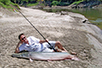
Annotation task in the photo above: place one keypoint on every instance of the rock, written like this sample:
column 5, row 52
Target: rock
column 64, row 13
column 73, row 53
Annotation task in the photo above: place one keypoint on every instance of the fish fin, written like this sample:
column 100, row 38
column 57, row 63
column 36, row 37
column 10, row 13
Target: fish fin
column 73, row 53
column 30, row 60
column 30, row 57
column 75, row 58
column 49, row 60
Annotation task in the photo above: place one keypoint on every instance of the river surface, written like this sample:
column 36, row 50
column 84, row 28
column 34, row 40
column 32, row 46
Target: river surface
column 93, row 15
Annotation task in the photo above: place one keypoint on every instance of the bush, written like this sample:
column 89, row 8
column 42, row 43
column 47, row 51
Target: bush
column 32, row 4
column 8, row 4
column 16, row 5
column 78, row 2
column 1, row 4
column 63, row 4
column 55, row 3
column 5, row 2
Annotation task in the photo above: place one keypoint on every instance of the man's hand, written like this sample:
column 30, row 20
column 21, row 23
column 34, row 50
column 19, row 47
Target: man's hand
column 17, row 47
column 42, row 41
column 46, row 40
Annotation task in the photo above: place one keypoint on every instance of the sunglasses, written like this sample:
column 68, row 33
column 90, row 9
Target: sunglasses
column 23, row 38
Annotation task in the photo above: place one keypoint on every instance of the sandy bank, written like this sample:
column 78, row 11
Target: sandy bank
column 82, row 38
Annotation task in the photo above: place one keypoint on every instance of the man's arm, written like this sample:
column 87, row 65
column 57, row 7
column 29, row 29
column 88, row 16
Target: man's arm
column 42, row 41
column 17, row 47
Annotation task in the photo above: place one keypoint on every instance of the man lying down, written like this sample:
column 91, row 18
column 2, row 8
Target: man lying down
column 32, row 44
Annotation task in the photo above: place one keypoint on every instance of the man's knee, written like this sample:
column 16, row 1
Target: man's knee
column 57, row 42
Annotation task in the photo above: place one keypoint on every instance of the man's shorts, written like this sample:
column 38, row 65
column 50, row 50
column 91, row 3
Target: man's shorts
column 49, row 46
column 51, row 42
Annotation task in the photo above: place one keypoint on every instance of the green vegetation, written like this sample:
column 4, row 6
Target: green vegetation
column 35, row 4
column 8, row 4
column 55, row 3
column 100, row 26
column 5, row 3
column 77, row 2
column 32, row 4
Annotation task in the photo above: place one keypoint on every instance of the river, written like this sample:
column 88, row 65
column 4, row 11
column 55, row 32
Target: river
column 93, row 15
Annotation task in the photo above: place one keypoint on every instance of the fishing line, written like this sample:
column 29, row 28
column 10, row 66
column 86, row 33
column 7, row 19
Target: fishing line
column 38, row 31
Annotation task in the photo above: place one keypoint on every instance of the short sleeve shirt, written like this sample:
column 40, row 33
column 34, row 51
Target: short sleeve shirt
column 33, row 45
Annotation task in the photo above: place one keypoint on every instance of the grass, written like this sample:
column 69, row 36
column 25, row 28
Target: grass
column 2, row 5
column 77, row 2
column 34, row 4
column 100, row 26
column 10, row 6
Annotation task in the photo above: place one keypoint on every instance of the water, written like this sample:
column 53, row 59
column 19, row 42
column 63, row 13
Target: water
column 93, row 15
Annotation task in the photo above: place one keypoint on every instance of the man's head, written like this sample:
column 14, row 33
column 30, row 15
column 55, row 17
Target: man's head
column 22, row 38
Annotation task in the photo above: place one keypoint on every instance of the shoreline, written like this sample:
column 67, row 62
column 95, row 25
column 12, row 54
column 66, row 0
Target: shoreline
column 65, row 10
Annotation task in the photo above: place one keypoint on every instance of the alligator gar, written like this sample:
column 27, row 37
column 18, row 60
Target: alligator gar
column 49, row 56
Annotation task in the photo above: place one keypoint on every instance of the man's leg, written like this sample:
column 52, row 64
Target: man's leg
column 59, row 45
column 55, row 44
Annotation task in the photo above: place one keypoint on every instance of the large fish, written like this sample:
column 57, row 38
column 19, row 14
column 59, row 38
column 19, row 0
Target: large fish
column 49, row 56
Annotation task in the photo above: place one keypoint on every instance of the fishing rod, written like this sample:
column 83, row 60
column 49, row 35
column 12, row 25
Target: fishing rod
column 37, row 31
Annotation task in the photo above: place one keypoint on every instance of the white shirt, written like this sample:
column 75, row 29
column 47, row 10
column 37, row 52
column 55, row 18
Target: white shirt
column 34, row 45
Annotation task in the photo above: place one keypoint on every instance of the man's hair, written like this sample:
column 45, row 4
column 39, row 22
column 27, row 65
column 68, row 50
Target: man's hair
column 20, row 35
